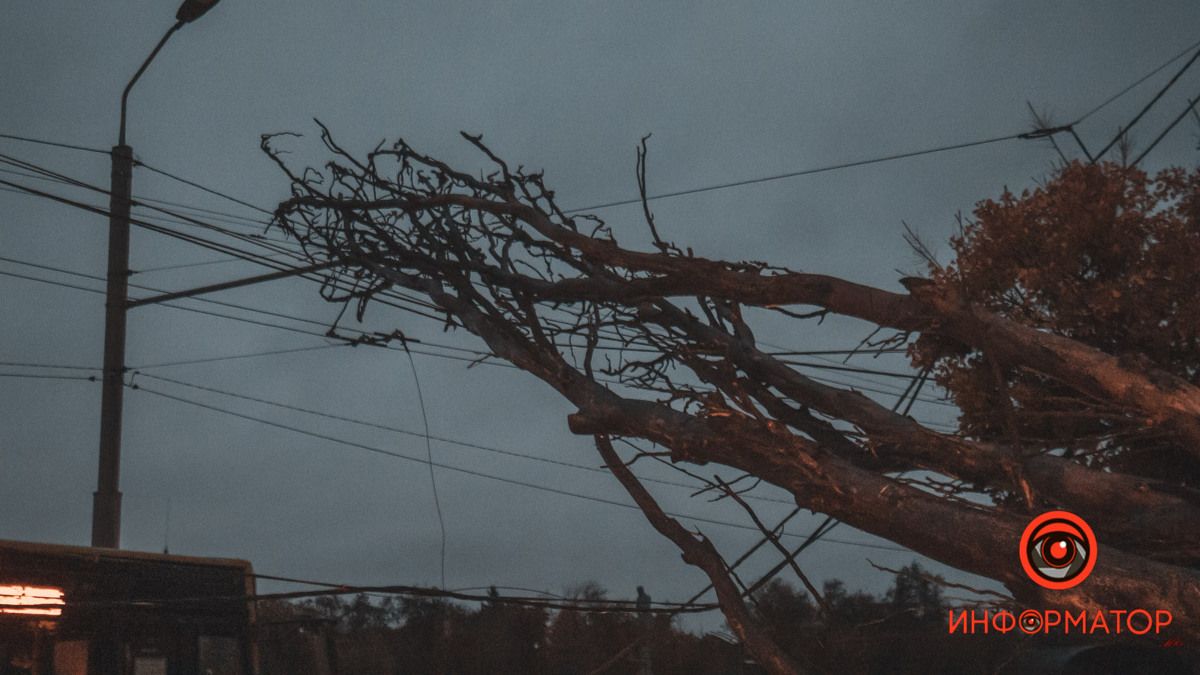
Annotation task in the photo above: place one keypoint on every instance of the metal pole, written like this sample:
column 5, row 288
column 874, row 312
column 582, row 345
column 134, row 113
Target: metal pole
column 106, row 503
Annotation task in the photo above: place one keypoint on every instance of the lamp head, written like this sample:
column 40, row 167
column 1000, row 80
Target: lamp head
column 191, row 10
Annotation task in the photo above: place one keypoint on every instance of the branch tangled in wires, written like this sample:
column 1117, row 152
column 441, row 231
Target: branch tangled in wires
column 499, row 247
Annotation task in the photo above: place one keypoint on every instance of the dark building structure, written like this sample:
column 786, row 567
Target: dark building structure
column 69, row 610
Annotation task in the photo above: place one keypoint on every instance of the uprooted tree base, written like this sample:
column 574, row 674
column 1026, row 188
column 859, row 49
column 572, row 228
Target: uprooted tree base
column 655, row 346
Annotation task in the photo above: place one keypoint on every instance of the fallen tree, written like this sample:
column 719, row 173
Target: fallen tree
column 657, row 346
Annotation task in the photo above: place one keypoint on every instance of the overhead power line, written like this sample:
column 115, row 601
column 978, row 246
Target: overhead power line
column 148, row 225
column 425, row 436
column 472, row 472
column 474, row 352
column 1135, row 83
column 273, row 352
column 258, row 258
column 545, row 594
column 204, row 188
column 51, row 366
column 475, row 357
column 390, row 301
column 1125, row 129
column 279, row 247
column 1191, row 107
column 235, row 357
column 68, row 146
column 256, row 240
column 199, row 263
column 41, row 172
column 151, row 289
column 897, row 156
column 61, row 284
column 826, row 525
column 38, row 172
column 582, row 605
column 849, row 369
column 802, row 172
column 38, row 376
column 422, row 347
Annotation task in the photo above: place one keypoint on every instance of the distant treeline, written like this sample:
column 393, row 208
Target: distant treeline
column 902, row 631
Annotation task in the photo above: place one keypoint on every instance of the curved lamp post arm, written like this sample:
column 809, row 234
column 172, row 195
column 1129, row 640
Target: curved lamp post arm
column 145, row 64
column 188, row 12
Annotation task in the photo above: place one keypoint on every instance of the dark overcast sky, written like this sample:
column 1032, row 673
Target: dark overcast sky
column 728, row 92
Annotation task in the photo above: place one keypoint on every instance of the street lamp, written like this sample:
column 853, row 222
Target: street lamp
column 106, row 503
column 191, row 10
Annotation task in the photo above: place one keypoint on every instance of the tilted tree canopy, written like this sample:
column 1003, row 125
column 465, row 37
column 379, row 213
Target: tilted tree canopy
column 658, row 346
column 1104, row 255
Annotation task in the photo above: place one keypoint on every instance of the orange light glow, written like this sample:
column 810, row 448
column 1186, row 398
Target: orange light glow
column 30, row 600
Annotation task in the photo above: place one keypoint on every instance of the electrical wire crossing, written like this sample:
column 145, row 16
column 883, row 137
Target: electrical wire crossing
column 426, row 436
column 472, row 356
column 470, row 472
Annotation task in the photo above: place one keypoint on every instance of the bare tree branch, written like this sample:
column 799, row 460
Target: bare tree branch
column 699, row 551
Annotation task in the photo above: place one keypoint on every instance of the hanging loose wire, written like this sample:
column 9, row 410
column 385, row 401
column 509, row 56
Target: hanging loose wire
column 437, row 503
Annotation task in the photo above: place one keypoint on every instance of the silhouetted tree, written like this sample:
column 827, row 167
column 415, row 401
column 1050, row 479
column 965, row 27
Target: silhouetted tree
column 915, row 596
column 501, row 638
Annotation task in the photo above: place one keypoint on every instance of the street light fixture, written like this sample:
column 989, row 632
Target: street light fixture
column 191, row 10
column 106, row 502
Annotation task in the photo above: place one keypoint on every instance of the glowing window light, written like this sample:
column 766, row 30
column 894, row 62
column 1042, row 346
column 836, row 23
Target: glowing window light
column 18, row 600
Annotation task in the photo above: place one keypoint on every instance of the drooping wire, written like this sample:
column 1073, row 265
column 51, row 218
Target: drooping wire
column 437, row 502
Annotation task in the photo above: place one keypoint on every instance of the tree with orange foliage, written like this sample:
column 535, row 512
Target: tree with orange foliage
column 1101, row 254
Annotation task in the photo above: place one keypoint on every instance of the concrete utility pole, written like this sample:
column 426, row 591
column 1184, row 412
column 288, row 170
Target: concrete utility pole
column 106, row 502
